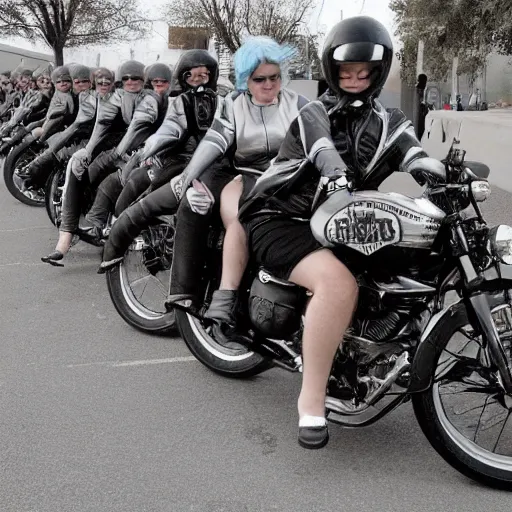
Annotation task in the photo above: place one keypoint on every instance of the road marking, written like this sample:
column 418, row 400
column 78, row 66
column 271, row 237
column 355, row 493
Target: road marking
column 20, row 263
column 143, row 362
column 30, row 228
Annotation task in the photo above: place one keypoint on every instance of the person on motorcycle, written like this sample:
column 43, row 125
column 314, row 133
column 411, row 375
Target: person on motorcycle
column 5, row 86
column 250, row 127
column 341, row 145
column 108, row 146
column 158, row 77
column 62, row 145
column 33, row 108
column 167, row 152
column 61, row 114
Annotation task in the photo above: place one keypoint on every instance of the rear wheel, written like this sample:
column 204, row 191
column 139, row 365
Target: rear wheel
column 139, row 286
column 17, row 160
column 466, row 415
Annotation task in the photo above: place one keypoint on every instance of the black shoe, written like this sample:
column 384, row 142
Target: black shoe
column 222, row 309
column 313, row 438
column 91, row 235
column 54, row 259
column 105, row 266
column 227, row 337
column 182, row 301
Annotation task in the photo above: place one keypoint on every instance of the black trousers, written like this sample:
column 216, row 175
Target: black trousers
column 191, row 229
column 74, row 195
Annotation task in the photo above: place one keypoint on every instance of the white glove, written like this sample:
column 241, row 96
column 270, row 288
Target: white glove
column 200, row 198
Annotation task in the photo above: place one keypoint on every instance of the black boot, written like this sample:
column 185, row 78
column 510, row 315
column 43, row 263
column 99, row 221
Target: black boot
column 222, row 309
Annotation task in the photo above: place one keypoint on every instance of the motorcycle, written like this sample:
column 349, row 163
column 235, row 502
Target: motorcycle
column 433, row 325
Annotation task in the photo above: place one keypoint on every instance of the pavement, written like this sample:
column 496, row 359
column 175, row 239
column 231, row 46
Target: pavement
column 97, row 417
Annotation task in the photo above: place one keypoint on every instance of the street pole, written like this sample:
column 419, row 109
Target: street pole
column 453, row 99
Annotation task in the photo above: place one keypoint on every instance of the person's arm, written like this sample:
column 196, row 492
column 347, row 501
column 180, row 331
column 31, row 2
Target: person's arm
column 85, row 116
column 218, row 139
column 173, row 130
column 61, row 105
column 407, row 154
column 144, row 117
column 108, row 110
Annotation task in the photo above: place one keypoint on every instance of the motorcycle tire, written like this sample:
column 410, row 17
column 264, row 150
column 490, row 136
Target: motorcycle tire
column 53, row 195
column 454, row 447
column 20, row 156
column 134, row 312
column 221, row 360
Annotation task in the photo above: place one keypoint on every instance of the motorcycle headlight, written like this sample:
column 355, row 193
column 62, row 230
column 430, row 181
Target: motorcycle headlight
column 501, row 243
column 481, row 190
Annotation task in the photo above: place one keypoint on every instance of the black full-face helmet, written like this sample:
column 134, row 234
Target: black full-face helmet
column 193, row 59
column 358, row 39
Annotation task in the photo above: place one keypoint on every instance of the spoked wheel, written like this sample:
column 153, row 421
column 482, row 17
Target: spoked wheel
column 466, row 415
column 15, row 163
column 139, row 286
column 53, row 195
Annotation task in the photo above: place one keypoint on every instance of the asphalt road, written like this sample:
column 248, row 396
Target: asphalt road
column 96, row 417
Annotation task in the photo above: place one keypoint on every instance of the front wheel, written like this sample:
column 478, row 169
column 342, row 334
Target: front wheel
column 139, row 286
column 17, row 160
column 465, row 414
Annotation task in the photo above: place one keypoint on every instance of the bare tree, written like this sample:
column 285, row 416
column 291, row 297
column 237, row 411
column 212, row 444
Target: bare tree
column 72, row 23
column 230, row 20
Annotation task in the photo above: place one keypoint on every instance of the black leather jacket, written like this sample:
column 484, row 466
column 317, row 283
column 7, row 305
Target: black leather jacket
column 365, row 143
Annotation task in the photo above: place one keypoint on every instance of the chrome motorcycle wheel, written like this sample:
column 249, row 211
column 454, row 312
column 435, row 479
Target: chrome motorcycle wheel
column 139, row 286
column 466, row 415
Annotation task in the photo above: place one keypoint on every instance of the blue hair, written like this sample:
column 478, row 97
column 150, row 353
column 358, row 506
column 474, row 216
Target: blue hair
column 255, row 51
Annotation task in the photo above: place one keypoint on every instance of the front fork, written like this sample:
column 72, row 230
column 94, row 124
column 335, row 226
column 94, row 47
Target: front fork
column 477, row 301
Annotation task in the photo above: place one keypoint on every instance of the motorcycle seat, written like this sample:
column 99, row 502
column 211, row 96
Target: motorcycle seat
column 478, row 168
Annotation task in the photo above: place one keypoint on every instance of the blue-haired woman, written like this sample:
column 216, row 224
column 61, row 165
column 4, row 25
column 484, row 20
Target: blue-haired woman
column 249, row 128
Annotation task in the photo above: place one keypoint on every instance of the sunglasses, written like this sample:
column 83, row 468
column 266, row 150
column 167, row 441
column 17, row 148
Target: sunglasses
column 159, row 81
column 262, row 79
column 103, row 82
column 132, row 78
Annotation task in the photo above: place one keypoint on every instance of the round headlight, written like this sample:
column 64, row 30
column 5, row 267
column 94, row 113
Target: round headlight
column 501, row 243
column 481, row 190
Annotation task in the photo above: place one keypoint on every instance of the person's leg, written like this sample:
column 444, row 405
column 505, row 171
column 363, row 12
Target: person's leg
column 133, row 220
column 71, row 207
column 328, row 315
column 235, row 256
column 136, row 185
column 190, row 243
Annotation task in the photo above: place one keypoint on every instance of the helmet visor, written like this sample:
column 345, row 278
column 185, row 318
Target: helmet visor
column 359, row 52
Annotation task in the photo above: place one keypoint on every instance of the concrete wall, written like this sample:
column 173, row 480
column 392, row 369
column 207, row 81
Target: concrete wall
column 11, row 57
column 486, row 137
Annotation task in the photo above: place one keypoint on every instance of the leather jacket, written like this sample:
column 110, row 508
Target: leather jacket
column 365, row 143
column 249, row 133
column 82, row 125
column 115, row 113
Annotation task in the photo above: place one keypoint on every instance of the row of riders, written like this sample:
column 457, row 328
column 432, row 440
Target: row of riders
column 152, row 141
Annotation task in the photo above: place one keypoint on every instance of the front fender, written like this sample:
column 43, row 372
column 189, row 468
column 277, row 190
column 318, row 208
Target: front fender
column 434, row 339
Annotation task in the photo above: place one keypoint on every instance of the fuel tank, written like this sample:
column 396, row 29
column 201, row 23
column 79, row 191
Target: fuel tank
column 369, row 220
